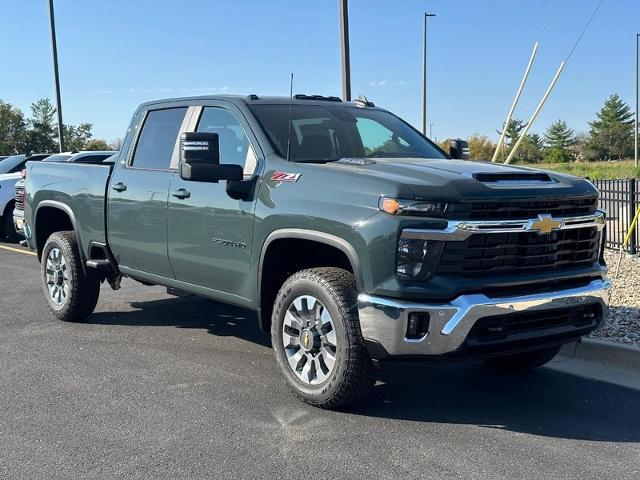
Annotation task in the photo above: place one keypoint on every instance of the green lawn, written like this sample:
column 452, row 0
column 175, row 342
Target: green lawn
column 623, row 169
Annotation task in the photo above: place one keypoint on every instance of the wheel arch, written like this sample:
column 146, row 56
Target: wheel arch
column 61, row 220
column 336, row 249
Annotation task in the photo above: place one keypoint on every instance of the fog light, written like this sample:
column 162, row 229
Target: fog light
column 417, row 325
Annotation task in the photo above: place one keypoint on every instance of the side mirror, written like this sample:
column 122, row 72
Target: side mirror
column 200, row 159
column 459, row 149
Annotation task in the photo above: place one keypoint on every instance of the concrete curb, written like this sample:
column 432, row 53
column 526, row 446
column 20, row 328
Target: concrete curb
column 604, row 352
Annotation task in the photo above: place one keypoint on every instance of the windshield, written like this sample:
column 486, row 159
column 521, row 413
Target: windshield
column 61, row 157
column 331, row 132
column 11, row 164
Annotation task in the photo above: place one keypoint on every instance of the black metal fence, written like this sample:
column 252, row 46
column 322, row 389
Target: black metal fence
column 620, row 198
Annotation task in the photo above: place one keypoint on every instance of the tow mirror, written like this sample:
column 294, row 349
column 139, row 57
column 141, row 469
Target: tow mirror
column 459, row 149
column 200, row 159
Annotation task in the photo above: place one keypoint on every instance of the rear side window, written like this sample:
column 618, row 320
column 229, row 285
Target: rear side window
column 158, row 138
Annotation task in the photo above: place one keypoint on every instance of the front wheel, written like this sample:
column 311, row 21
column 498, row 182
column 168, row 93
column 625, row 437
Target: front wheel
column 317, row 341
column 524, row 361
column 71, row 295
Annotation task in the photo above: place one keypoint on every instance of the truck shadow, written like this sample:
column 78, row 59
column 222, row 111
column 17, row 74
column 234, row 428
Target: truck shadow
column 189, row 312
column 542, row 402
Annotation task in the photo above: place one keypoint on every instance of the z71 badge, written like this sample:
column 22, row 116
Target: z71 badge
column 285, row 177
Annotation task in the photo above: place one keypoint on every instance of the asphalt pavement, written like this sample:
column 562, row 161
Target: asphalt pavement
column 155, row 386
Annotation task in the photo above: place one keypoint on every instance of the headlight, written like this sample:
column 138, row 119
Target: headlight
column 417, row 259
column 394, row 206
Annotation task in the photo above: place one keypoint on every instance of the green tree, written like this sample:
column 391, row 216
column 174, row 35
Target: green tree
column 13, row 130
column 514, row 129
column 96, row 144
column 558, row 140
column 611, row 134
column 530, row 150
column 480, row 147
column 77, row 137
column 42, row 127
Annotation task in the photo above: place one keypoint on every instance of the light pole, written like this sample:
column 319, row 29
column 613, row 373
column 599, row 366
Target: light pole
column 431, row 130
column 635, row 129
column 424, row 74
column 54, row 52
column 344, row 35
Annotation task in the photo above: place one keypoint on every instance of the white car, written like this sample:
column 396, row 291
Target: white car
column 10, row 169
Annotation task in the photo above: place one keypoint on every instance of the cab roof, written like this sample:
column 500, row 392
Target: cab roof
column 254, row 99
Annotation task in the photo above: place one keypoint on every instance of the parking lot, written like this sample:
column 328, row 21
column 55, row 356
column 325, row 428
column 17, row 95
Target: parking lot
column 163, row 387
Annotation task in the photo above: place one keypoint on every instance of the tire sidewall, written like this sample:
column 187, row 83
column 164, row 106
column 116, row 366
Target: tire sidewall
column 54, row 242
column 293, row 289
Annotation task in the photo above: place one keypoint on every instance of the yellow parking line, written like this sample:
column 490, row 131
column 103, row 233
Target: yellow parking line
column 16, row 250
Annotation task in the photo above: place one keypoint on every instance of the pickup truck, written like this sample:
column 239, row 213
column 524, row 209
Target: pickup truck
column 354, row 237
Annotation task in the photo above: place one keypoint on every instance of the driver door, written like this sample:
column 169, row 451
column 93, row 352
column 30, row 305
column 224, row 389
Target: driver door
column 210, row 233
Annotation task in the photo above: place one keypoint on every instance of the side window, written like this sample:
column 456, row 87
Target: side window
column 234, row 143
column 18, row 168
column 158, row 138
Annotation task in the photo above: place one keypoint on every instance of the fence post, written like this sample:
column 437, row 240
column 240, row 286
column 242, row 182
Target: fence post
column 632, row 211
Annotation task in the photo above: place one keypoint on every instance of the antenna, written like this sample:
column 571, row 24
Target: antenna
column 290, row 117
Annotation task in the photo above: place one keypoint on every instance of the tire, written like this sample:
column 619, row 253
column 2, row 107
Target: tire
column 9, row 228
column 76, row 295
column 523, row 361
column 347, row 378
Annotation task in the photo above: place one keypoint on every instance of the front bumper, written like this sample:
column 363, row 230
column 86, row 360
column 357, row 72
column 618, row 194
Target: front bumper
column 384, row 320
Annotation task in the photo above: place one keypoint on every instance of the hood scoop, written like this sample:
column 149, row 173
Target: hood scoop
column 513, row 178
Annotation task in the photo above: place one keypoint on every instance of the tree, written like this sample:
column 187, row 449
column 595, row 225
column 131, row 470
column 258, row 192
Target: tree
column 530, row 150
column 116, row 144
column 558, row 139
column 480, row 147
column 96, row 144
column 13, row 134
column 514, row 129
column 611, row 133
column 42, row 127
column 77, row 137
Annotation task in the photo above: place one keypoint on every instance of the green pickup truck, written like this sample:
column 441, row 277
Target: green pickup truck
column 354, row 238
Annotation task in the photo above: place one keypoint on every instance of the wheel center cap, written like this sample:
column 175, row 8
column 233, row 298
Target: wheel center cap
column 309, row 340
column 58, row 278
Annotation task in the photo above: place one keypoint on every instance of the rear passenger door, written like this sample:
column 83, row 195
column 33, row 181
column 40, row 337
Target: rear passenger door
column 137, row 205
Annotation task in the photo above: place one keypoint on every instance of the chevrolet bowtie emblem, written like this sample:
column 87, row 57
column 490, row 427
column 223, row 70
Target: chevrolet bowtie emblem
column 544, row 225
column 306, row 340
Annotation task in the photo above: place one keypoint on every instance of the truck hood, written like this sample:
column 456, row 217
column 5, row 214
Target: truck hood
column 456, row 179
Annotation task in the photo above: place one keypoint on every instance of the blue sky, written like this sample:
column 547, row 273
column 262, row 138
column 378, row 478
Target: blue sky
column 116, row 54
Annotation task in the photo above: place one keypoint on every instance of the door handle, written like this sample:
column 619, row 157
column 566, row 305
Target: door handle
column 181, row 193
column 119, row 187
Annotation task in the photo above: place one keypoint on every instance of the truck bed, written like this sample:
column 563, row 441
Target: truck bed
column 80, row 187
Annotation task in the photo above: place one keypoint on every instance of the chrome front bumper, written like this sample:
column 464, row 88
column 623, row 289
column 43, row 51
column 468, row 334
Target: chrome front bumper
column 18, row 220
column 384, row 320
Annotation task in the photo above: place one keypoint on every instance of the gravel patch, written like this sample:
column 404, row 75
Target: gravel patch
column 624, row 319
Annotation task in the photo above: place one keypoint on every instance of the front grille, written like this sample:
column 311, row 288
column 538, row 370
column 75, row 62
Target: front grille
column 520, row 252
column 19, row 198
column 521, row 209
column 501, row 327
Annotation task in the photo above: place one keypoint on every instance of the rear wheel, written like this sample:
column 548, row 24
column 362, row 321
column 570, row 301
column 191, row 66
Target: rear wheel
column 71, row 295
column 9, row 228
column 524, row 361
column 317, row 341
